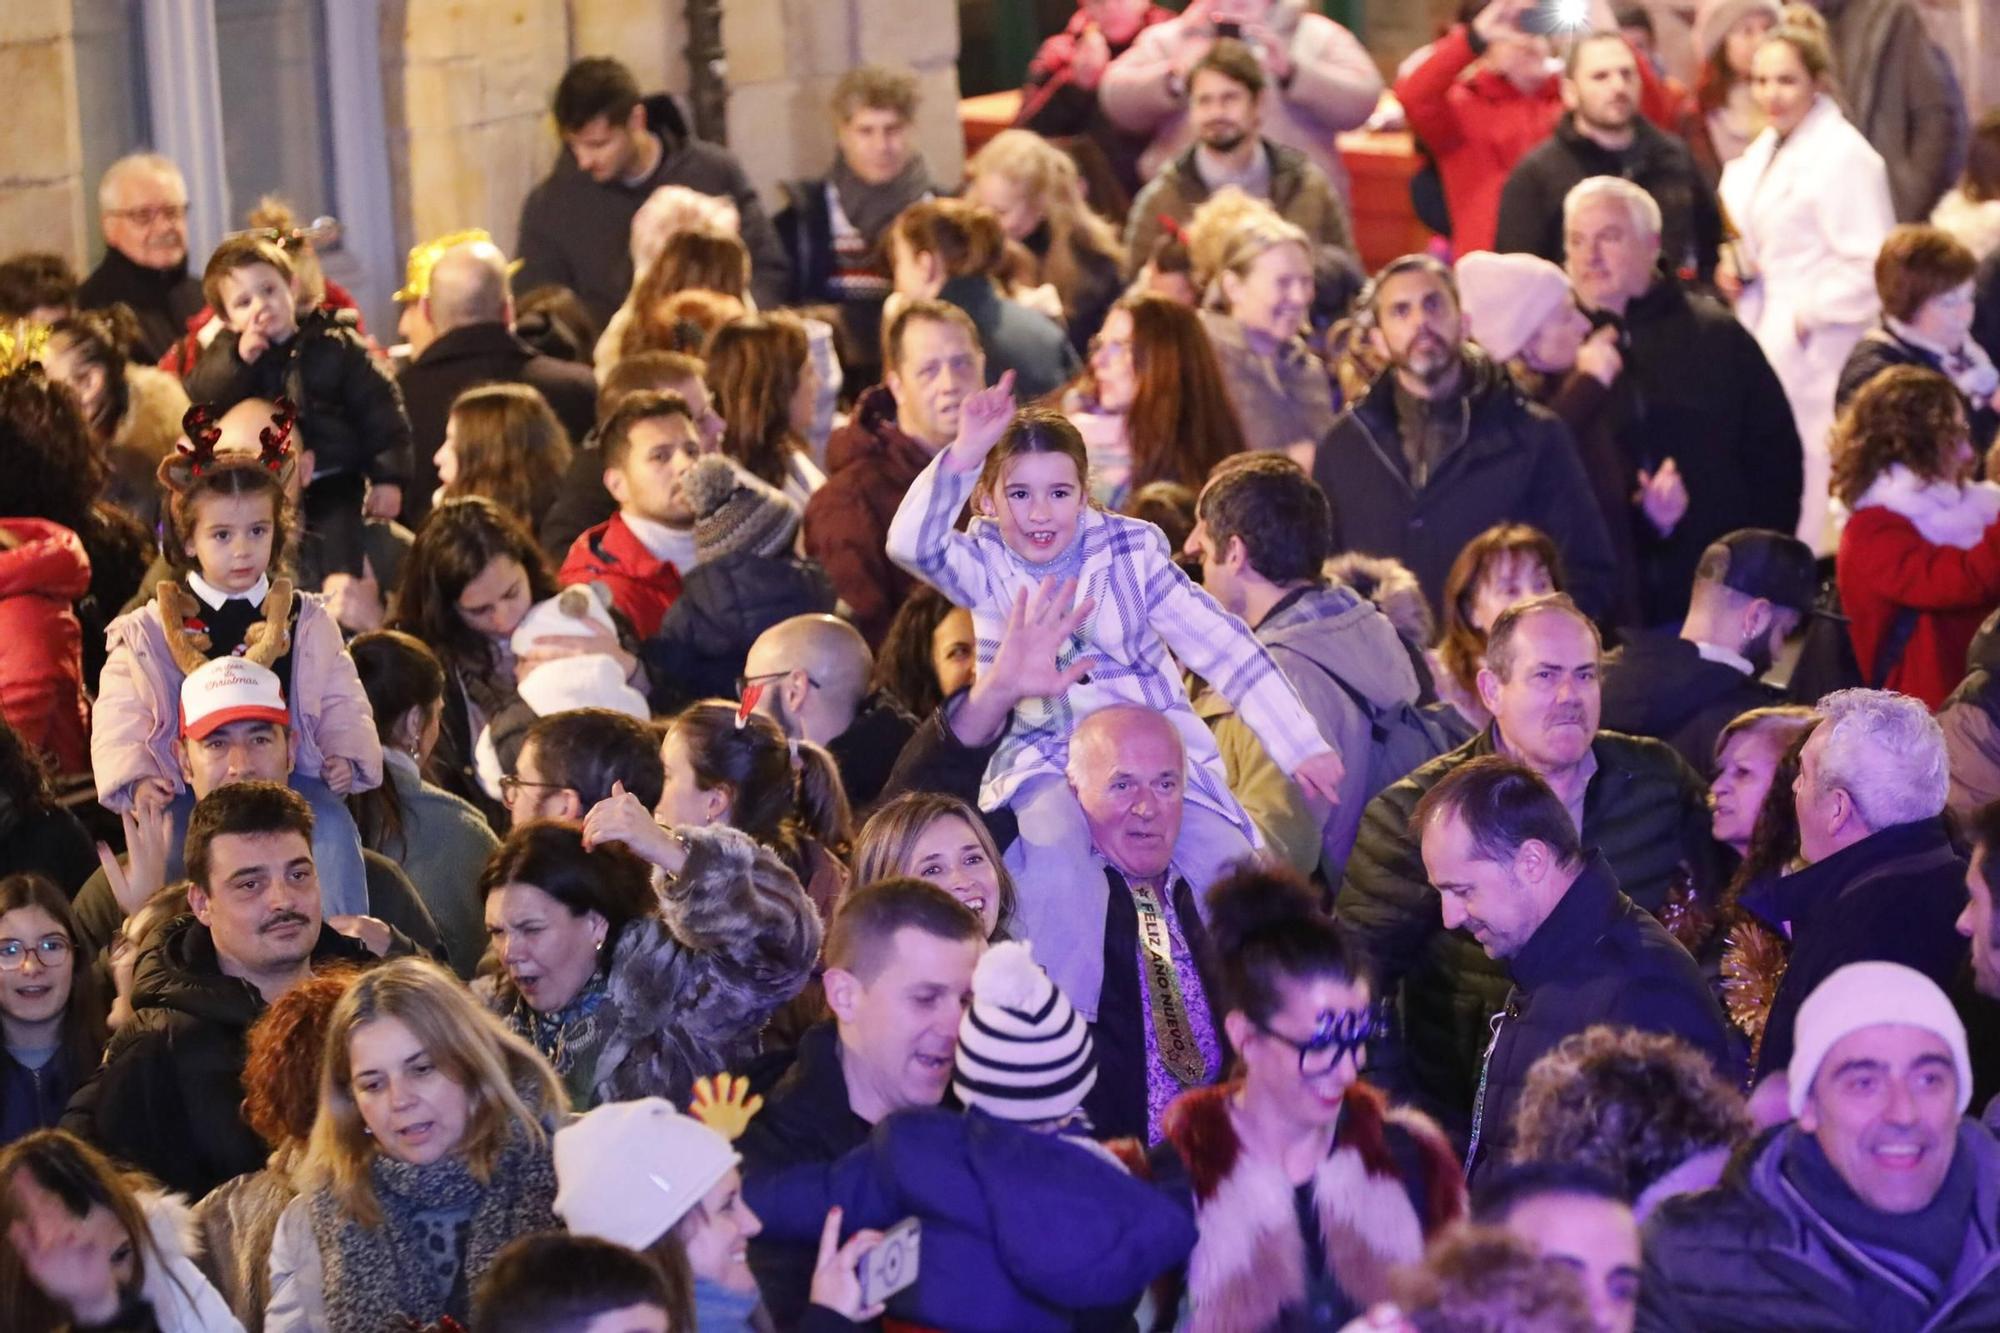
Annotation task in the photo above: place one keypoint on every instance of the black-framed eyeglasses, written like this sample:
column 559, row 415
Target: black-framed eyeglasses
column 1337, row 1035
column 743, row 683
column 511, row 784
column 49, row 951
column 147, row 215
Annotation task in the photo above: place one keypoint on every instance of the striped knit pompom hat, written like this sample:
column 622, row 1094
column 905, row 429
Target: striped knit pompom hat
column 1023, row 1053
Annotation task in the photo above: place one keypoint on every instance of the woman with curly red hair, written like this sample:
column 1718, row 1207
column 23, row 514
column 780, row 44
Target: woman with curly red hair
column 1919, row 563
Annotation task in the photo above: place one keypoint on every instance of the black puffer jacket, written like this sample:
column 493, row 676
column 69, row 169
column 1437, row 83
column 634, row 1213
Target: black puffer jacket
column 1746, row 1257
column 1645, row 811
column 350, row 410
column 168, row 1098
column 1514, row 463
column 725, row 603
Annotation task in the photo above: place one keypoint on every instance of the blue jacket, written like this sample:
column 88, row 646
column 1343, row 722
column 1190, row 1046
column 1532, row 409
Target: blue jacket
column 32, row 1099
column 1021, row 1231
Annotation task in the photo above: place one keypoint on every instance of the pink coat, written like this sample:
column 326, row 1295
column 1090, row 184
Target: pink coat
column 137, row 719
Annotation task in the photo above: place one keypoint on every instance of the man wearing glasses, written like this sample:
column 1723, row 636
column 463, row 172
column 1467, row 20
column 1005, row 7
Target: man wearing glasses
column 142, row 204
column 1504, row 855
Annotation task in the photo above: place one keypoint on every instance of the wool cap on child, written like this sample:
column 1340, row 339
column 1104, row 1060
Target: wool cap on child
column 1023, row 1053
column 736, row 511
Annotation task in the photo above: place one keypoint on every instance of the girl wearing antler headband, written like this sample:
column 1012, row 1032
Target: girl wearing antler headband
column 226, row 521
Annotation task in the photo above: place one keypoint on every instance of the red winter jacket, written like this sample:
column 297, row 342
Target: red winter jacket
column 642, row 585
column 870, row 463
column 1884, row 565
column 1478, row 127
column 42, row 573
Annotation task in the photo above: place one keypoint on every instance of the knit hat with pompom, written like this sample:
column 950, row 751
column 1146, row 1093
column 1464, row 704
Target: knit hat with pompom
column 1023, row 1054
column 735, row 511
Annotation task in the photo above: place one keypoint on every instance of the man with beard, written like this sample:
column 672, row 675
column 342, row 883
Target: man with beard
column 142, row 206
column 1876, row 1209
column 1445, row 446
column 1509, row 868
column 1603, row 134
column 1751, row 590
column 168, row 1098
column 1633, row 800
column 1225, row 106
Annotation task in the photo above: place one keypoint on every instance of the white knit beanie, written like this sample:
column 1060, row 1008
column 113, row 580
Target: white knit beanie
column 1507, row 299
column 1866, row 995
column 627, row 1171
column 1023, row 1054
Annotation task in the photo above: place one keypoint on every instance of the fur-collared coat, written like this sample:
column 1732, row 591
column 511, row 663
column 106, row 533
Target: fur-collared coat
column 691, row 989
column 1390, row 1184
column 182, row 1300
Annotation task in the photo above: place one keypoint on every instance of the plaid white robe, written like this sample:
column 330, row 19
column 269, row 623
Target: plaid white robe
column 1145, row 607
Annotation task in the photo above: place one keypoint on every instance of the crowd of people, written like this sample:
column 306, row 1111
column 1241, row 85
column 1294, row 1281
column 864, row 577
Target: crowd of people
column 1235, row 792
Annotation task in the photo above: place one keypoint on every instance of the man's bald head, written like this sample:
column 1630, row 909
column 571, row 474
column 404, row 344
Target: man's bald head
column 1128, row 768
column 243, row 428
column 815, row 670
column 469, row 286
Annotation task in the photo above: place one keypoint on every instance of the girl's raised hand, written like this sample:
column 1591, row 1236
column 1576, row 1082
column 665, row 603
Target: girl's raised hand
column 982, row 420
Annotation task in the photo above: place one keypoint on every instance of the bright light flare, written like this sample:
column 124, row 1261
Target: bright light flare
column 1570, row 14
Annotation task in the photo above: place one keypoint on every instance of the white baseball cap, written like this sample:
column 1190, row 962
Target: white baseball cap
column 627, row 1171
column 230, row 689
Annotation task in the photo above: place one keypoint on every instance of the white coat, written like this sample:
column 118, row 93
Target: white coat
column 1812, row 213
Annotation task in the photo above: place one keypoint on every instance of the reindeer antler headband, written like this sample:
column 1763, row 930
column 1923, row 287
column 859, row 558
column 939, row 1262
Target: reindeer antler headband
column 196, row 457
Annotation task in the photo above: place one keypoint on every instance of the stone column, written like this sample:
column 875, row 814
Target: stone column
column 41, row 148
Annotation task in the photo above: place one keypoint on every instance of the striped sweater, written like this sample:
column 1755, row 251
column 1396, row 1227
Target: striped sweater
column 1146, row 608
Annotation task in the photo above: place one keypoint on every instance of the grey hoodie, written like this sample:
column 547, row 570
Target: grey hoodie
column 1313, row 635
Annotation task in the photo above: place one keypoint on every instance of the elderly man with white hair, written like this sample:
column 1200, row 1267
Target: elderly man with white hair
column 1705, row 430
column 1884, row 881
column 142, row 205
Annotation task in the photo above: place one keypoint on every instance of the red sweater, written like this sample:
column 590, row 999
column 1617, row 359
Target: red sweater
column 41, row 646
column 642, row 585
column 1884, row 565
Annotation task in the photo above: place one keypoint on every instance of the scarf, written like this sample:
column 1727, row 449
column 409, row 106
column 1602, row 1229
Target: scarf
column 1966, row 365
column 871, row 208
column 577, row 1026
column 717, row 1309
column 376, row 1276
column 1945, row 513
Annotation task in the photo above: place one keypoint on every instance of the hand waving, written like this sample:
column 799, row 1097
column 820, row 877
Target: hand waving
column 982, row 420
column 725, row 1104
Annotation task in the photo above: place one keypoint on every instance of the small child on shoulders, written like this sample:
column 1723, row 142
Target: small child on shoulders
column 226, row 520
column 349, row 405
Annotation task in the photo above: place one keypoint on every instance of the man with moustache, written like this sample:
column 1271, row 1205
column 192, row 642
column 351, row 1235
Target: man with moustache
column 168, row 1098
column 142, row 205
column 1507, row 863
column 1632, row 800
column 1603, row 134
column 1225, row 105
column 1444, row 446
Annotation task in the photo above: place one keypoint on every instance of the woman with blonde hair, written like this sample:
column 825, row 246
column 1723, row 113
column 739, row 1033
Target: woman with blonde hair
column 1257, row 270
column 954, row 250
column 943, row 841
column 1034, row 189
column 1810, row 200
column 430, row 1152
column 761, row 371
column 503, row 441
